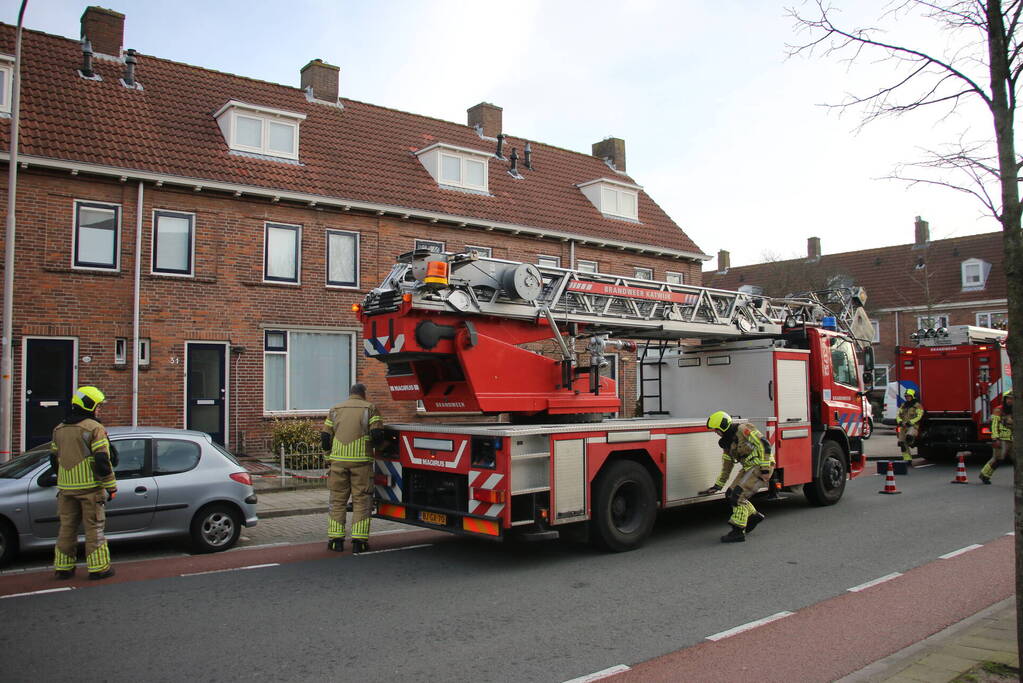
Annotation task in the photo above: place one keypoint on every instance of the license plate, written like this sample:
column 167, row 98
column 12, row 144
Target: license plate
column 433, row 518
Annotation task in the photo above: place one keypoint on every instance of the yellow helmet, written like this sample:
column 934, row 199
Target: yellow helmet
column 719, row 421
column 87, row 398
column 910, row 393
column 1007, row 394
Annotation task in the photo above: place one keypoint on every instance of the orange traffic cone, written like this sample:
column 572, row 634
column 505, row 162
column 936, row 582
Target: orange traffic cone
column 889, row 480
column 960, row 472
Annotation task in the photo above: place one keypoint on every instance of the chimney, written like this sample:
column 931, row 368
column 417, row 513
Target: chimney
column 724, row 261
column 486, row 117
column 813, row 249
column 105, row 30
column 322, row 80
column 923, row 232
column 613, row 150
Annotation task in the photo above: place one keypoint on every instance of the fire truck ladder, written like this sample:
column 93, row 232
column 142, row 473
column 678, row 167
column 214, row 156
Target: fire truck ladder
column 647, row 366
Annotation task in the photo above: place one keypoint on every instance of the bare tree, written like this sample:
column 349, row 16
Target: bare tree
column 982, row 70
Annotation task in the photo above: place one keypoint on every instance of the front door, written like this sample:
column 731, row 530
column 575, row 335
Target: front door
column 206, row 389
column 49, row 381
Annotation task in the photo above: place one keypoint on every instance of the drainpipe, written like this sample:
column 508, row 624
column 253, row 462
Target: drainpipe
column 571, row 254
column 135, row 311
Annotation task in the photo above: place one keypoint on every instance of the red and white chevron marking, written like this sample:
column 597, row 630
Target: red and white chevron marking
column 484, row 480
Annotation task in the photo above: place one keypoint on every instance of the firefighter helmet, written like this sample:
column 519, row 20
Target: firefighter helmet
column 719, row 421
column 1007, row 394
column 87, row 398
column 910, row 393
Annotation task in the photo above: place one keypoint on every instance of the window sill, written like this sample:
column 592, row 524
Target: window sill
column 84, row 271
column 262, row 283
column 189, row 278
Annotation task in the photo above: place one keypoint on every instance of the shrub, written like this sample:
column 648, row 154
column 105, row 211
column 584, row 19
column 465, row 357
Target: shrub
column 296, row 436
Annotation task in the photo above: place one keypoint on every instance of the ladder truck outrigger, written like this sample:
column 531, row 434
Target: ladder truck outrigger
column 451, row 329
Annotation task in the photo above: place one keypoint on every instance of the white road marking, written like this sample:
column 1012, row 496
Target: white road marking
column 48, row 590
column 597, row 675
column 954, row 553
column 1011, row 533
column 750, row 625
column 868, row 584
column 391, row 550
column 234, row 569
column 920, row 467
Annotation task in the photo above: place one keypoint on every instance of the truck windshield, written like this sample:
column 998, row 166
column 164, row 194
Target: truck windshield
column 844, row 363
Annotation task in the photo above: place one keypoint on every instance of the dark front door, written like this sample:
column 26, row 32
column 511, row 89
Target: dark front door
column 49, row 381
column 206, row 391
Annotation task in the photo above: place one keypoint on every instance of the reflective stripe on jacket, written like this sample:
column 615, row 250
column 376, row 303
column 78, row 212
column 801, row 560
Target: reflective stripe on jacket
column 349, row 424
column 1001, row 425
column 81, row 454
column 746, row 450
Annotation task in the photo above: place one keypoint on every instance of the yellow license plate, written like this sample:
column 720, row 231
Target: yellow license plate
column 433, row 518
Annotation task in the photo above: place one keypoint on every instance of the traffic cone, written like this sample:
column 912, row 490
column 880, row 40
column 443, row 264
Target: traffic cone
column 889, row 480
column 960, row 472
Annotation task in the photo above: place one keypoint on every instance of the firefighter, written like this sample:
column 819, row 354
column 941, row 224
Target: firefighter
column 1001, row 434
column 743, row 445
column 80, row 455
column 907, row 423
column 346, row 434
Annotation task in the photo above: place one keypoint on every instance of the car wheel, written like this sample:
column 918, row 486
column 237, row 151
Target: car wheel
column 829, row 484
column 625, row 505
column 8, row 542
column 215, row 528
column 868, row 428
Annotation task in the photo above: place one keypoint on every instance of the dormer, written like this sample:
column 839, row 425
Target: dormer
column 6, row 78
column 458, row 168
column 613, row 198
column 974, row 273
column 260, row 130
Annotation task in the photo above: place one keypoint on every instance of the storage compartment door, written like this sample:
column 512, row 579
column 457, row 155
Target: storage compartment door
column 569, row 475
column 694, row 462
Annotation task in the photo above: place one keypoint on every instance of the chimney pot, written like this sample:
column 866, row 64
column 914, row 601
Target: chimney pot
column 486, row 117
column 724, row 261
column 129, row 68
column 612, row 149
column 322, row 79
column 105, row 29
column 923, row 231
column 813, row 248
column 86, row 58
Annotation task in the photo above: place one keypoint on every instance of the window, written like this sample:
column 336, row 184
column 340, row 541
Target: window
column 613, row 197
column 281, row 253
column 260, row 130
column 673, row 278
column 880, row 376
column 306, row 371
column 342, row 258
column 131, row 458
column 548, row 261
column 456, row 167
column 430, row 246
column 97, row 236
column 173, row 242
column 928, row 322
column 144, row 351
column 644, row 273
column 998, row 320
column 586, row 266
column 6, row 79
column 842, row 363
column 172, row 456
column 482, row 252
column 877, row 332
column 974, row 273
column 120, row 351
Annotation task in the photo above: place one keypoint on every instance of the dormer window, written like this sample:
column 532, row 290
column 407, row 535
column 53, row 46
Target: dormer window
column 974, row 273
column 456, row 167
column 260, row 130
column 6, row 79
column 613, row 198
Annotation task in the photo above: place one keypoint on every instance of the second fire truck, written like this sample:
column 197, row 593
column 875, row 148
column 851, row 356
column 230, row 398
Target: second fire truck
column 464, row 334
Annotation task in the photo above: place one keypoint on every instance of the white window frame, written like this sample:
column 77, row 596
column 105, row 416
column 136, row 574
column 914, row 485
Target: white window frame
column 432, row 157
column 463, row 180
column 287, row 367
column 877, row 332
column 298, row 253
column 7, row 89
column 428, row 244
column 552, row 261
column 145, row 346
column 190, row 272
column 983, row 268
column 595, row 191
column 227, row 116
column 120, row 351
column 585, row 266
column 482, row 252
column 641, row 273
column 358, row 258
column 116, row 208
column 936, row 316
column 987, row 315
column 673, row 277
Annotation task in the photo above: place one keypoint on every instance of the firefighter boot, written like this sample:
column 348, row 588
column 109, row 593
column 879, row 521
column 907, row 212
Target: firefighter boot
column 736, row 535
column 359, row 547
column 336, row 544
column 105, row 574
column 753, row 521
column 64, row 574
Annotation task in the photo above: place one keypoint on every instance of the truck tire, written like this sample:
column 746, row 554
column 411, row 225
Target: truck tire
column 624, row 507
column 828, row 485
column 868, row 428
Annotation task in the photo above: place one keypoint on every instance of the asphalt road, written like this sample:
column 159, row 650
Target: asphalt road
column 459, row 609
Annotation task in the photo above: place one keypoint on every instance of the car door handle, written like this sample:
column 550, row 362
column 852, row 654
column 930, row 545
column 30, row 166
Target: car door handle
column 140, row 489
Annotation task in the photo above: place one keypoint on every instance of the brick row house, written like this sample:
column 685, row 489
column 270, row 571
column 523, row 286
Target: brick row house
column 920, row 285
column 249, row 216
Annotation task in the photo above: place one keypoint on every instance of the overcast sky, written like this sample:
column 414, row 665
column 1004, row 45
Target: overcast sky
column 721, row 129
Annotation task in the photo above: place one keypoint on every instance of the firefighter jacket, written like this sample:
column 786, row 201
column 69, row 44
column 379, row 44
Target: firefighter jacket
column 349, row 424
column 742, row 445
column 910, row 413
column 80, row 454
column 1001, row 424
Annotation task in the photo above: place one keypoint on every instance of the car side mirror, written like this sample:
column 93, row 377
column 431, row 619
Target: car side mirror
column 48, row 478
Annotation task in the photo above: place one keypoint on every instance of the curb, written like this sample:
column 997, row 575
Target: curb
column 292, row 512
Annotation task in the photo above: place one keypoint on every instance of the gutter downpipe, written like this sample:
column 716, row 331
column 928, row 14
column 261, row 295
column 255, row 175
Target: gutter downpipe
column 571, row 254
column 135, row 311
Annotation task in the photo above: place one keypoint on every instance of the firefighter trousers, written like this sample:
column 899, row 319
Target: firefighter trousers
column 353, row 478
column 748, row 482
column 907, row 436
column 1000, row 450
column 87, row 509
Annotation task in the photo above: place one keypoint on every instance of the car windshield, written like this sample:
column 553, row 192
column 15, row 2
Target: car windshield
column 24, row 463
column 227, row 454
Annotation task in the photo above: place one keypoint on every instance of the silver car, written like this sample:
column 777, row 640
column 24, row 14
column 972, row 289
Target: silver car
column 170, row 482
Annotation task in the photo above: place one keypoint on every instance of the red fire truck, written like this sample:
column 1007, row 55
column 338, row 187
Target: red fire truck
column 452, row 329
column 959, row 374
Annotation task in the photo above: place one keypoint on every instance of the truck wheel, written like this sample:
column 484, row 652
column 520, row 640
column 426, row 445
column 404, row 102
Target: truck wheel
column 624, row 507
column 829, row 484
column 868, row 428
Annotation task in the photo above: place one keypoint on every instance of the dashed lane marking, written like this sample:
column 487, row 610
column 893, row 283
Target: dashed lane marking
column 603, row 673
column 48, row 590
column 749, row 626
column 868, row 584
column 392, row 550
column 956, row 553
column 234, row 569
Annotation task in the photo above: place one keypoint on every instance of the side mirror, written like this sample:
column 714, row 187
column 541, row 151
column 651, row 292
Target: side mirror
column 48, row 478
column 868, row 361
